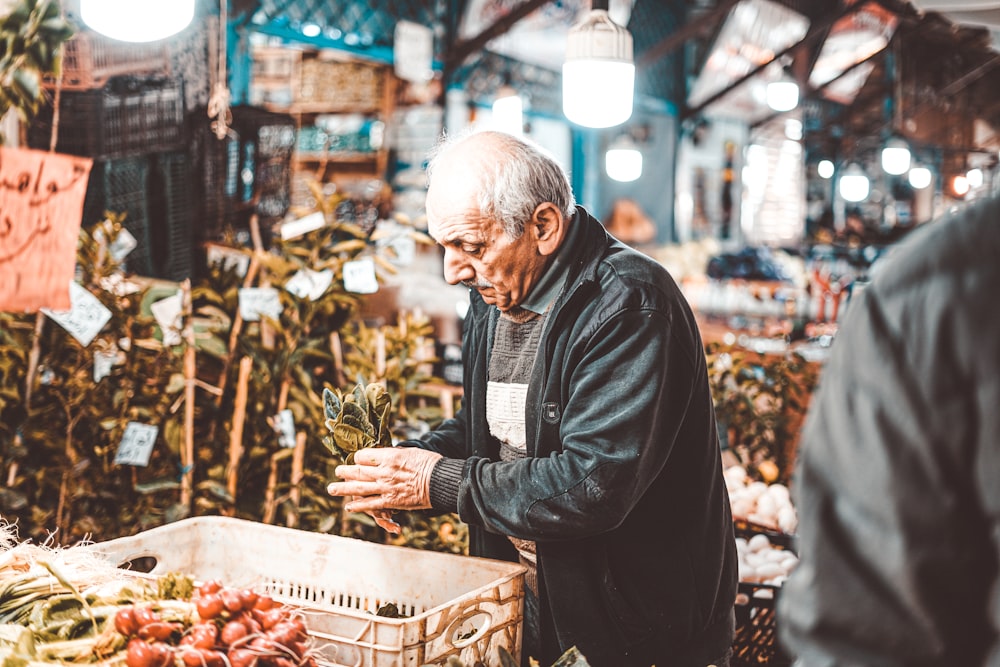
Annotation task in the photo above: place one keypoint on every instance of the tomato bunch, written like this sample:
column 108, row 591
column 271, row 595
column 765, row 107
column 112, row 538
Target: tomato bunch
column 232, row 628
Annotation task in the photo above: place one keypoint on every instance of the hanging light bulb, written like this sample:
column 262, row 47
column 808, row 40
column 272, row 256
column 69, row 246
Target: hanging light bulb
column 599, row 74
column 782, row 95
column 920, row 177
column 137, row 20
column 960, row 185
column 854, row 185
column 508, row 111
column 824, row 169
column 975, row 177
column 895, row 157
column 623, row 161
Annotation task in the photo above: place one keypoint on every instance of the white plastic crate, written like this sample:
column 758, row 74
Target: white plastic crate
column 457, row 605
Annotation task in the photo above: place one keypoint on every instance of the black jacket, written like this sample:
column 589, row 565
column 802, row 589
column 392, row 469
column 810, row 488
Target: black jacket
column 622, row 489
column 898, row 477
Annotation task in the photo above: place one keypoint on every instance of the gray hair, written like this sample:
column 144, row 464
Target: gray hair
column 517, row 176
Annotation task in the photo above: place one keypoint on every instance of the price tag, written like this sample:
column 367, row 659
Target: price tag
column 257, row 301
column 284, row 426
column 136, row 445
column 118, row 285
column 405, row 248
column 168, row 315
column 296, row 228
column 359, row 276
column 103, row 363
column 229, row 258
column 86, row 315
column 309, row 284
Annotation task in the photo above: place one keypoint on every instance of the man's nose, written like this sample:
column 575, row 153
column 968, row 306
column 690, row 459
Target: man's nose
column 456, row 268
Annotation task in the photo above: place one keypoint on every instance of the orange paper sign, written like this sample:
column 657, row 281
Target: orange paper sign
column 41, row 205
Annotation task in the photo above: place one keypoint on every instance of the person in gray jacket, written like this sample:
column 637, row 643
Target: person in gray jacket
column 898, row 477
column 586, row 447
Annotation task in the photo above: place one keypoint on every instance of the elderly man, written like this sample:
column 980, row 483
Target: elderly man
column 586, row 446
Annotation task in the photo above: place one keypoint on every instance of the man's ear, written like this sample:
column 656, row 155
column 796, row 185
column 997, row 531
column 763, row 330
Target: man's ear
column 549, row 227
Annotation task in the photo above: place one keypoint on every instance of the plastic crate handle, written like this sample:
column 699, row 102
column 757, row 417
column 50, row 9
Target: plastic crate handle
column 473, row 617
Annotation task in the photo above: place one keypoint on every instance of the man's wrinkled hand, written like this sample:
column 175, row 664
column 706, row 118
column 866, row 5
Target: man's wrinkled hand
column 386, row 478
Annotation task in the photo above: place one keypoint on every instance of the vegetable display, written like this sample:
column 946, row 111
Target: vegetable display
column 62, row 606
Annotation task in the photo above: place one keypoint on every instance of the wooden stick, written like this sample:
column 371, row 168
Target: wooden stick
column 295, row 494
column 236, row 435
column 234, row 333
column 380, row 355
column 338, row 358
column 187, row 453
column 36, row 351
column 269, row 493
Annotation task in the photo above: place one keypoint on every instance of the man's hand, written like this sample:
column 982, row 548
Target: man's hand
column 386, row 478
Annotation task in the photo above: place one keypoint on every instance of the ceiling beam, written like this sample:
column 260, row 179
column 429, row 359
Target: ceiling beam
column 820, row 28
column 689, row 30
column 462, row 49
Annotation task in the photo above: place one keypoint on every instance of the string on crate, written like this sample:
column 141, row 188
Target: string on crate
column 218, row 101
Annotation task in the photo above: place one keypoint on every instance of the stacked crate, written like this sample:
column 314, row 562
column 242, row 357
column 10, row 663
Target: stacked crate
column 247, row 172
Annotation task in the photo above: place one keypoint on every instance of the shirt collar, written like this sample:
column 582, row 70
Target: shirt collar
column 547, row 289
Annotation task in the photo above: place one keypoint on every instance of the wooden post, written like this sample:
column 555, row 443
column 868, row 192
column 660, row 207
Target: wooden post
column 234, row 333
column 187, row 452
column 236, row 434
column 295, row 494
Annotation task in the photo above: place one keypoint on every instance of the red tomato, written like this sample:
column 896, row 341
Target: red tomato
column 125, row 621
column 145, row 615
column 264, row 602
column 142, row 654
column 242, row 657
column 209, row 607
column 209, row 588
column 201, row 635
column 248, row 597
column 232, row 600
column 233, row 632
column 159, row 630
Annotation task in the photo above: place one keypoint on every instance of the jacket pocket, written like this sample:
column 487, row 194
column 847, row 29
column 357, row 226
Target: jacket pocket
column 624, row 606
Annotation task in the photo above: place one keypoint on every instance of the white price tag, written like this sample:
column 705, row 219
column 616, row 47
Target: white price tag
column 118, row 285
column 257, row 301
column 359, row 276
column 284, row 426
column 405, row 248
column 103, row 363
column 296, row 228
column 168, row 315
column 123, row 245
column 136, row 445
column 309, row 284
column 229, row 258
column 86, row 315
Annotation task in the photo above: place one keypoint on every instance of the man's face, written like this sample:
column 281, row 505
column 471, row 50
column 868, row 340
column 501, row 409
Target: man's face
column 479, row 254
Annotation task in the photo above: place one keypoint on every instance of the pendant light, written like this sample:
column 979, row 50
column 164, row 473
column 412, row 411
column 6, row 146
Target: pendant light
column 508, row 110
column 896, row 152
column 920, row 177
column 854, row 184
column 137, row 20
column 599, row 74
column 896, row 157
column 782, row 95
column 623, row 161
column 825, row 169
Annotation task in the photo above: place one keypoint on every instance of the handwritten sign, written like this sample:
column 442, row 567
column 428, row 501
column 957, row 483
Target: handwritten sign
column 86, row 315
column 41, row 205
column 136, row 445
column 359, row 276
column 257, row 301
